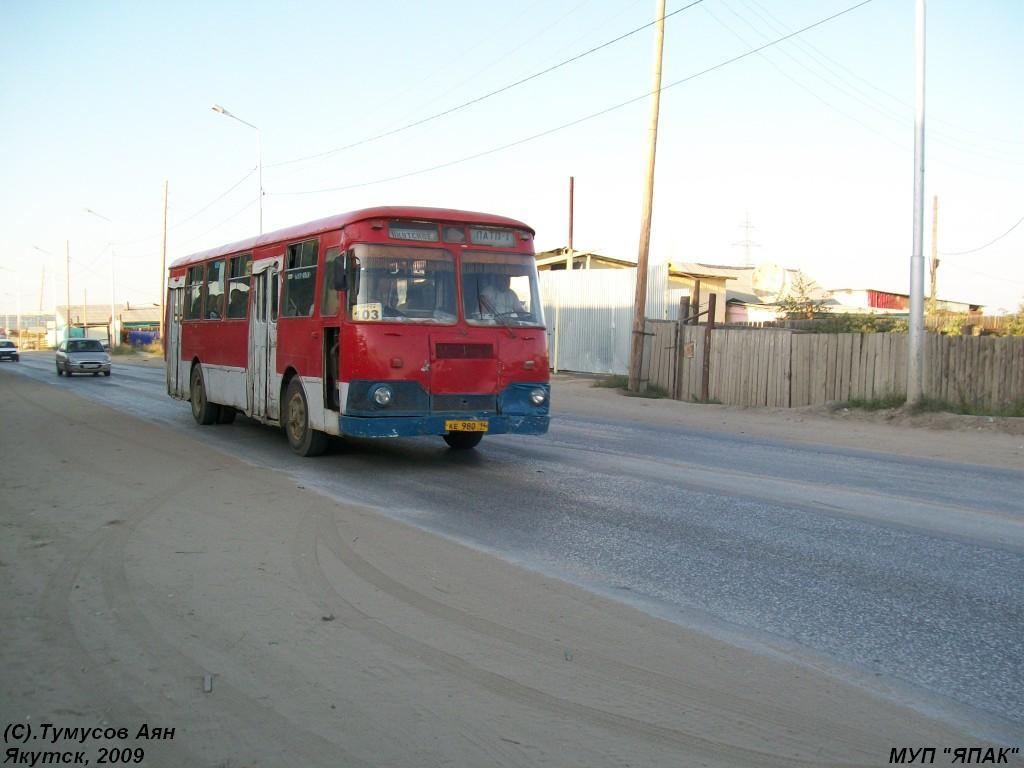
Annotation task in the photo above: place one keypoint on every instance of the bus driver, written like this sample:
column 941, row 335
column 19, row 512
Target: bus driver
column 497, row 298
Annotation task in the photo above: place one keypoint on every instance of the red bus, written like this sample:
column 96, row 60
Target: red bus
column 383, row 322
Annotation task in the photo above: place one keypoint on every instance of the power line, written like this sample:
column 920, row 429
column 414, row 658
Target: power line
column 796, row 82
column 572, row 123
column 217, row 199
column 478, row 99
column 205, row 208
column 899, row 100
column 526, row 41
column 986, row 245
column 1000, row 278
column 233, row 216
column 850, row 90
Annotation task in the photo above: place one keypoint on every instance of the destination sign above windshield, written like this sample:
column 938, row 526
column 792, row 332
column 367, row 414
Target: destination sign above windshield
column 413, row 230
column 505, row 238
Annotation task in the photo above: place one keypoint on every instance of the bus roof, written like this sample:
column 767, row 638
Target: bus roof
column 311, row 228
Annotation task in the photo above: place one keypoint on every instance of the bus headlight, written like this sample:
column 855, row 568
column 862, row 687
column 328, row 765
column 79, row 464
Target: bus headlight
column 382, row 395
column 538, row 396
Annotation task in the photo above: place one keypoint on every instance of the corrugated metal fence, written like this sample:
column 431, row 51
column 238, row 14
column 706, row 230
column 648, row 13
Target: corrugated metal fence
column 589, row 315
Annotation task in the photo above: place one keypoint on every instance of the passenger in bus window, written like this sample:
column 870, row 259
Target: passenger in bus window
column 236, row 304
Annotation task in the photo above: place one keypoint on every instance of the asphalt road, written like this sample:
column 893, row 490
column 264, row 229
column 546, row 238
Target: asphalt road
column 904, row 574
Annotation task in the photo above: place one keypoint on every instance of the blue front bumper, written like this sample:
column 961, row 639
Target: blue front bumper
column 414, row 426
column 412, row 413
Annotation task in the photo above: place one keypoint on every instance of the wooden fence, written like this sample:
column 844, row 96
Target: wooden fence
column 783, row 368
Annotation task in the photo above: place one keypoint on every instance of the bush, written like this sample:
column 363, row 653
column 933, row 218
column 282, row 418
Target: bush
column 860, row 324
column 1015, row 325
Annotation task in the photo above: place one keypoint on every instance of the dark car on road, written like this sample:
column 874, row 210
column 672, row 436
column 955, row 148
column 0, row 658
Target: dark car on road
column 82, row 356
column 8, row 350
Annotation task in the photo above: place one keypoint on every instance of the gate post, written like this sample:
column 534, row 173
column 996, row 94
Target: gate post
column 705, row 374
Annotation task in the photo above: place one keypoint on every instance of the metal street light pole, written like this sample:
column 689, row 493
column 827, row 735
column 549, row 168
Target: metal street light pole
column 114, row 336
column 67, row 282
column 163, row 270
column 259, row 152
column 915, row 335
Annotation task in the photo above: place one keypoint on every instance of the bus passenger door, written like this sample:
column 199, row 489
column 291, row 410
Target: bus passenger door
column 262, row 379
column 273, row 377
column 256, row 371
column 175, row 306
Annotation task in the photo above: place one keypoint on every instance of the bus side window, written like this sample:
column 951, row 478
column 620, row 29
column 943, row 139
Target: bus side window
column 275, row 287
column 300, row 279
column 194, row 293
column 238, row 285
column 215, row 290
column 329, row 296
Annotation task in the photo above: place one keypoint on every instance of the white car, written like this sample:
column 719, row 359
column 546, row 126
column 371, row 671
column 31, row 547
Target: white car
column 9, row 350
column 82, row 356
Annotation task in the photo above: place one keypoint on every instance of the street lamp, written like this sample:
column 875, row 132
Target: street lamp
column 114, row 336
column 259, row 152
column 53, row 288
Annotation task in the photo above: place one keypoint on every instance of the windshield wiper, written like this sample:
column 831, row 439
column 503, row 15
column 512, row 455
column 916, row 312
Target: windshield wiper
column 484, row 302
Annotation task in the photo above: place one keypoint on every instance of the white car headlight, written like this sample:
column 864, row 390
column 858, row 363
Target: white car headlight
column 538, row 396
column 382, row 395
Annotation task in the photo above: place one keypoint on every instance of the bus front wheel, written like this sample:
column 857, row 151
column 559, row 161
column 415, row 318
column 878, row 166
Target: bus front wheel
column 203, row 411
column 302, row 438
column 463, row 441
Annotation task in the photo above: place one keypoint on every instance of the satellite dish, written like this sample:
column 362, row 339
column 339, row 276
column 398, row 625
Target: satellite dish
column 769, row 282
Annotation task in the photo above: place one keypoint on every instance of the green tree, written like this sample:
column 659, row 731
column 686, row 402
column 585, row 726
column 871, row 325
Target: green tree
column 804, row 299
column 1015, row 324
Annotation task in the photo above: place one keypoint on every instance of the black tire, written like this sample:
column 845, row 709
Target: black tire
column 463, row 441
column 227, row 415
column 302, row 438
column 59, row 371
column 203, row 411
column 106, row 373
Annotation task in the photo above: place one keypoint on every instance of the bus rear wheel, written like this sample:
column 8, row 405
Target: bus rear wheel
column 303, row 439
column 203, row 411
column 463, row 441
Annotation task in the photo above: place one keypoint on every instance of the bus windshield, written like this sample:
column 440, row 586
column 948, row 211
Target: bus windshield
column 404, row 284
column 500, row 289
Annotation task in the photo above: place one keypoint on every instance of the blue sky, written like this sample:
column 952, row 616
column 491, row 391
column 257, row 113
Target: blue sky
column 103, row 101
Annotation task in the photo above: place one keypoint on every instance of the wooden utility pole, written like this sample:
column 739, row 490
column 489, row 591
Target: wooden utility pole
column 640, row 302
column 163, row 267
column 932, row 300
column 559, row 293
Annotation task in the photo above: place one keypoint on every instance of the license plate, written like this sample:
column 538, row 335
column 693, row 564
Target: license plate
column 465, row 426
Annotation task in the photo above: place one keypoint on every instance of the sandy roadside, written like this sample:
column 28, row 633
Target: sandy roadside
column 137, row 561
column 997, row 442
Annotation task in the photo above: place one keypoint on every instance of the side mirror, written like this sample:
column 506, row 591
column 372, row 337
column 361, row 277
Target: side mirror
column 354, row 270
column 345, row 274
column 339, row 276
